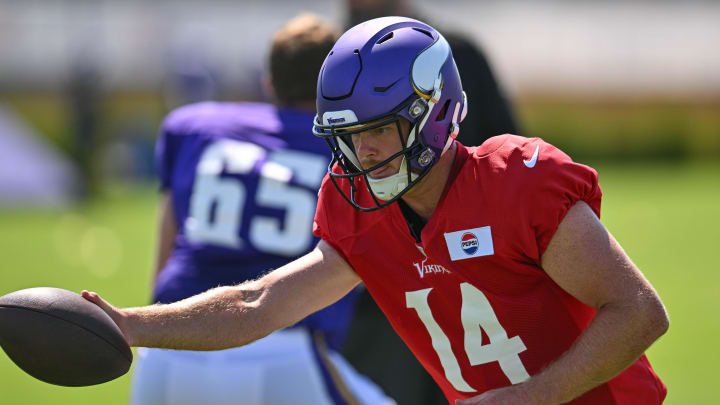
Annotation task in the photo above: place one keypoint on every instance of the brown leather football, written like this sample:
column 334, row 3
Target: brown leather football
column 58, row 337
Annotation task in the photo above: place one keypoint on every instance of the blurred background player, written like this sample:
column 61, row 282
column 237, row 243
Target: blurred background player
column 239, row 186
column 390, row 363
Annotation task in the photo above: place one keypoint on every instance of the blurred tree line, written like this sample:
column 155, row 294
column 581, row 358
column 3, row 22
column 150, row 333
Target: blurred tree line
column 112, row 135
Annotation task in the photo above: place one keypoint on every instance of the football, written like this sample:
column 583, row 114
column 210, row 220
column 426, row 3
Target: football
column 58, row 337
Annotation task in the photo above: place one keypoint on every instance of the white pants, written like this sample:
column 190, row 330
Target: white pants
column 286, row 367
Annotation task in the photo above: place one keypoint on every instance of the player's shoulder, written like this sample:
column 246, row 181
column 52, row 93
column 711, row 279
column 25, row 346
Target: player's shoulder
column 514, row 155
column 508, row 165
column 329, row 193
column 504, row 146
column 339, row 216
column 213, row 116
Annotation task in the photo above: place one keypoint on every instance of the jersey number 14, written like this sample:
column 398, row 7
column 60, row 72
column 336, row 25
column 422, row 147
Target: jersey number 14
column 476, row 313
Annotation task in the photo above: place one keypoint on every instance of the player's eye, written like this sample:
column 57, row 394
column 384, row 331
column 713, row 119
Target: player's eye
column 382, row 130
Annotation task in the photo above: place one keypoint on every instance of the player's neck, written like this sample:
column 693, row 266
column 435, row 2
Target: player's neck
column 423, row 198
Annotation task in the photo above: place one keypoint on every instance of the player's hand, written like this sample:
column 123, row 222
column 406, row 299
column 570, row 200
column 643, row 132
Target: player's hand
column 117, row 315
column 512, row 395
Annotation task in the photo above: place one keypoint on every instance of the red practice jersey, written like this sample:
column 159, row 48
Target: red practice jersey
column 472, row 300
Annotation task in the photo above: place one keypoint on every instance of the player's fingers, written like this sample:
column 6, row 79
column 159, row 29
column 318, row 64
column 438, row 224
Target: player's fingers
column 95, row 299
column 90, row 296
column 113, row 312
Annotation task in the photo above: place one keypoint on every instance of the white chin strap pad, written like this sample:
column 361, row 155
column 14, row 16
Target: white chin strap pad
column 389, row 187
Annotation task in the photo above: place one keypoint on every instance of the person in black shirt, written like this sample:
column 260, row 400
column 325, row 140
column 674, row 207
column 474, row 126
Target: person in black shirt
column 492, row 111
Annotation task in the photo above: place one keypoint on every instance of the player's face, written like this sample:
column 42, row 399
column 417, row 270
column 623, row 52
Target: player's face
column 377, row 144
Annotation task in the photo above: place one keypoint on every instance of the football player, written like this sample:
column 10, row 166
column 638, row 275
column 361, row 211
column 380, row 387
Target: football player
column 490, row 262
column 239, row 184
column 492, row 114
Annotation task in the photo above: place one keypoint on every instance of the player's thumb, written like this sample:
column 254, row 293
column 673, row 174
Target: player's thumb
column 95, row 299
column 113, row 312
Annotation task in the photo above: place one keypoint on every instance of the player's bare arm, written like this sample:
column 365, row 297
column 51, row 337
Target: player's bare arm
column 227, row 317
column 586, row 261
column 166, row 231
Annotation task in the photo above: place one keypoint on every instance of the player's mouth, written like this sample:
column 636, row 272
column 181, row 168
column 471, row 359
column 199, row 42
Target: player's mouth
column 384, row 171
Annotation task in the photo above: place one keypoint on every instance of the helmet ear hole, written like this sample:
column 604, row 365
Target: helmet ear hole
column 443, row 112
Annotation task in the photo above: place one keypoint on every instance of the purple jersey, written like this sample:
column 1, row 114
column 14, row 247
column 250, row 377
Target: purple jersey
column 243, row 179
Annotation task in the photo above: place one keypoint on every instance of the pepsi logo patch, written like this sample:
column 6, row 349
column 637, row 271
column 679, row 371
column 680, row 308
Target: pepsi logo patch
column 469, row 243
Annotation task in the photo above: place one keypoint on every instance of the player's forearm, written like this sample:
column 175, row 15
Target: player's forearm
column 220, row 318
column 233, row 316
column 616, row 337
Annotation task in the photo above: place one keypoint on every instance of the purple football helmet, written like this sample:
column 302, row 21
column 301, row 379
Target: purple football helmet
column 377, row 72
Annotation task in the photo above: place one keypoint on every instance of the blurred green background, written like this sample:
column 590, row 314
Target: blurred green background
column 655, row 143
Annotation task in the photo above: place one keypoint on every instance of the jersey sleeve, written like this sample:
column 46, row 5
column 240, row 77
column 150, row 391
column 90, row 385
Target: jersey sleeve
column 320, row 221
column 322, row 226
column 552, row 185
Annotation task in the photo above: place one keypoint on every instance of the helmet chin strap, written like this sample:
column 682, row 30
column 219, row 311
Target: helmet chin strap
column 389, row 187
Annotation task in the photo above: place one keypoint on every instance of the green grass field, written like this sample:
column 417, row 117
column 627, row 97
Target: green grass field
column 666, row 216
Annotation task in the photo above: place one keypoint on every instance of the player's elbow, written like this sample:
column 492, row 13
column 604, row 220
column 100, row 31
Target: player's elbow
column 655, row 317
column 662, row 320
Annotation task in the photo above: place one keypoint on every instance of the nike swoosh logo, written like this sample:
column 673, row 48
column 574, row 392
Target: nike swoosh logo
column 531, row 163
